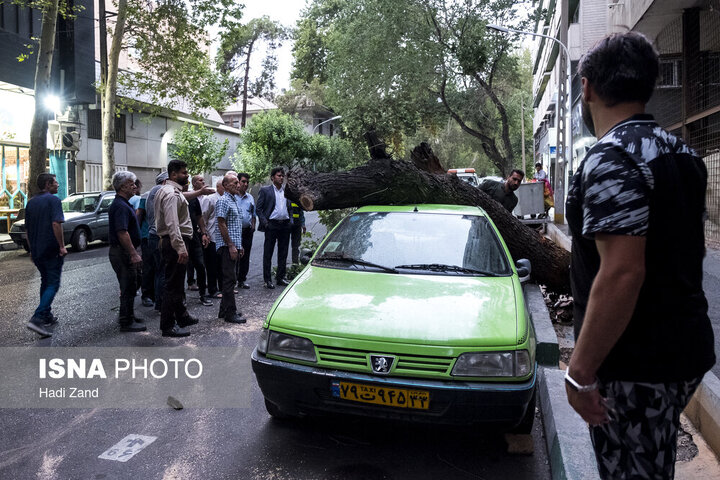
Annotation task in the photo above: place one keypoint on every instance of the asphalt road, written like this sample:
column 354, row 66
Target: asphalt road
column 212, row 443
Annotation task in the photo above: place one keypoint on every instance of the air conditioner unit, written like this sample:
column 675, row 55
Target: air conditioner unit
column 64, row 140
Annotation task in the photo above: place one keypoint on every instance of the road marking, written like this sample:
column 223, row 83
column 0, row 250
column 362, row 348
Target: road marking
column 126, row 448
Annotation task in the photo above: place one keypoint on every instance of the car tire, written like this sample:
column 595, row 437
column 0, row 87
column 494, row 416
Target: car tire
column 526, row 424
column 79, row 240
column 275, row 411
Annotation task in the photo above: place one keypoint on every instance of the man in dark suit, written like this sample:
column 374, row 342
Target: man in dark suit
column 273, row 211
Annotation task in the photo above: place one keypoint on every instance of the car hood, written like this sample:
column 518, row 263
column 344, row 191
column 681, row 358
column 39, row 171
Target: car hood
column 419, row 309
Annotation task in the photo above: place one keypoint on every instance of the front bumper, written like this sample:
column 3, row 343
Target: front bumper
column 303, row 390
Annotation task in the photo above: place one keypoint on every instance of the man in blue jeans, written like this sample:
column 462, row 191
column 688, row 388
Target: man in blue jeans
column 43, row 224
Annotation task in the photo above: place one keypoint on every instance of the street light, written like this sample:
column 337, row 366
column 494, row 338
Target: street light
column 567, row 153
column 326, row 121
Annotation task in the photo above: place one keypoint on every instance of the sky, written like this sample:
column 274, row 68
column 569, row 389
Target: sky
column 286, row 12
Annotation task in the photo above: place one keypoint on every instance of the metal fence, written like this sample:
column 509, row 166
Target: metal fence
column 687, row 98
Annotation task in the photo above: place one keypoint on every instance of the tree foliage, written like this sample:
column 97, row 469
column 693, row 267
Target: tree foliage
column 167, row 47
column 421, row 62
column 197, row 146
column 237, row 48
column 274, row 139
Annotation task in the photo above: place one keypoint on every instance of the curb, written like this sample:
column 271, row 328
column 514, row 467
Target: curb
column 704, row 410
column 566, row 435
column 548, row 351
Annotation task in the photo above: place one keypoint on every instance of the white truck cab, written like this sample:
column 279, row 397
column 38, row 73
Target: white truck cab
column 466, row 174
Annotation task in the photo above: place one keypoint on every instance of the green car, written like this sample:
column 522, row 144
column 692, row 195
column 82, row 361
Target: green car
column 404, row 312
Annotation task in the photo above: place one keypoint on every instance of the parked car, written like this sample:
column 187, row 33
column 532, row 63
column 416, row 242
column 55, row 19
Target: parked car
column 86, row 220
column 404, row 312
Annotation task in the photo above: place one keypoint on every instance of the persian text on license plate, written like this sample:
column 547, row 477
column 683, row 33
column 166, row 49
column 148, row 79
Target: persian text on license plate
column 391, row 397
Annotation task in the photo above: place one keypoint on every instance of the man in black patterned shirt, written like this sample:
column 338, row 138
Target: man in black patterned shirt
column 635, row 210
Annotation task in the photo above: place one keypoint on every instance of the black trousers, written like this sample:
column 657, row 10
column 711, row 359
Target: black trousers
column 228, row 308
column 126, row 274
column 147, row 286
column 159, row 265
column 244, row 262
column 173, row 311
column 296, row 237
column 212, row 266
column 276, row 231
column 196, row 262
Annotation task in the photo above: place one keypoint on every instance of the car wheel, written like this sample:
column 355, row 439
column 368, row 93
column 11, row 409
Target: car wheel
column 275, row 411
column 526, row 424
column 79, row 240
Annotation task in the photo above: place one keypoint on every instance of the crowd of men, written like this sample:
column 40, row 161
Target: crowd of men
column 168, row 237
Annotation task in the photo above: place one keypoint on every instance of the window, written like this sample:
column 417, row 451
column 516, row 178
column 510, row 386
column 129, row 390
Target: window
column 95, row 126
column 670, row 72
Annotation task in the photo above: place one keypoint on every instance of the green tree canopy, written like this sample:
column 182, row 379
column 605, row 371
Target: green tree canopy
column 197, row 146
column 274, row 139
column 237, row 48
column 397, row 67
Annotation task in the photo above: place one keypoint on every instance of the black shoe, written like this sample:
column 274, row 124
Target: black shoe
column 236, row 318
column 38, row 326
column 216, row 295
column 269, row 285
column 138, row 320
column 50, row 321
column 176, row 332
column 205, row 301
column 133, row 327
column 187, row 321
column 147, row 302
column 244, row 285
column 282, row 281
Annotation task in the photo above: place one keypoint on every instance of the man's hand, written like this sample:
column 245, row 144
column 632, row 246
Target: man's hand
column 233, row 252
column 205, row 240
column 207, row 191
column 182, row 258
column 241, row 252
column 589, row 405
column 135, row 259
column 63, row 251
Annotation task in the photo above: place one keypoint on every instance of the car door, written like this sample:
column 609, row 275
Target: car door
column 100, row 224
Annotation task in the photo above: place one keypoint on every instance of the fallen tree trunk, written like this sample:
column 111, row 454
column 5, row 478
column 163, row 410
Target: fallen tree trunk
column 384, row 181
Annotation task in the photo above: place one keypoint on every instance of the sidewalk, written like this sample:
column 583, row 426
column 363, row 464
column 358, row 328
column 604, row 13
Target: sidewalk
column 6, row 243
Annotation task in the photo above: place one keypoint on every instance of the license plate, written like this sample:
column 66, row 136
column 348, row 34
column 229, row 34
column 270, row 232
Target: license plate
column 391, row 397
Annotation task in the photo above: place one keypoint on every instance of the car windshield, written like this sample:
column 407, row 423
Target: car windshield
column 81, row 203
column 423, row 243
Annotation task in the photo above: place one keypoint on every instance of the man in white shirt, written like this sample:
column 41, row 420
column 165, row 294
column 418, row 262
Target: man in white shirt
column 273, row 211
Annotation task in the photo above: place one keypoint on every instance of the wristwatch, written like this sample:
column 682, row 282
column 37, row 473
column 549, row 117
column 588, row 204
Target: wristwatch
column 576, row 386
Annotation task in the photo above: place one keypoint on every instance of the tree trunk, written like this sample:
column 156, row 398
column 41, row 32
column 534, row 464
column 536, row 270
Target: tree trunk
column 384, row 181
column 246, row 79
column 109, row 98
column 43, row 71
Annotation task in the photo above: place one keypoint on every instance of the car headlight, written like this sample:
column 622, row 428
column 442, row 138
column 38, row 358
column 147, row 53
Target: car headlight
column 291, row 346
column 493, row 364
column 262, row 344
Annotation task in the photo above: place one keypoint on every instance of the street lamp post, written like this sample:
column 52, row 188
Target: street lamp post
column 567, row 148
column 326, row 121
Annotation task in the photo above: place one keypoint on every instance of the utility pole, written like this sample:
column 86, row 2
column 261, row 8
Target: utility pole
column 522, row 132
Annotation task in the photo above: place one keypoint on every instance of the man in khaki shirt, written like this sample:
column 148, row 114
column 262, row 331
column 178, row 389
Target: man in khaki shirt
column 174, row 228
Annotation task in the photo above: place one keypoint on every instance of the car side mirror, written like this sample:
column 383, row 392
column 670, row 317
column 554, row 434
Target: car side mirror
column 305, row 256
column 523, row 269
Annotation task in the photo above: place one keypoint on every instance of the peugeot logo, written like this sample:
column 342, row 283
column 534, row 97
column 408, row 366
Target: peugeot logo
column 381, row 363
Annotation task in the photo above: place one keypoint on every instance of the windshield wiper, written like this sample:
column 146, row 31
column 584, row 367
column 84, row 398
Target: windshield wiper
column 439, row 267
column 340, row 257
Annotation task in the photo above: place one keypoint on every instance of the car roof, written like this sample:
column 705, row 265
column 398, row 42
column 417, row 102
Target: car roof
column 426, row 208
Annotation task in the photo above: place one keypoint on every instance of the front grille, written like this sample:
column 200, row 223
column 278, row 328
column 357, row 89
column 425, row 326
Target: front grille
column 408, row 365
